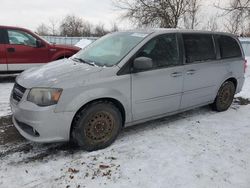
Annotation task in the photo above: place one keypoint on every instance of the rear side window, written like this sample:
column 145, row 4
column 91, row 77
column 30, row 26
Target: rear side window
column 199, row 47
column 229, row 47
column 2, row 37
column 21, row 38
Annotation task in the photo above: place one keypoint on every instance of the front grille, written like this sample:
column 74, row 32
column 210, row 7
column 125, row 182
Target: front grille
column 18, row 92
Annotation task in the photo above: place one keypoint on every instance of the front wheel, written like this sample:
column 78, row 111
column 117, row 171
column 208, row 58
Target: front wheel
column 224, row 97
column 96, row 126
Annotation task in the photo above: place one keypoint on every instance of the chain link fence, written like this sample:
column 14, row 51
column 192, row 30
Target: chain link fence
column 65, row 40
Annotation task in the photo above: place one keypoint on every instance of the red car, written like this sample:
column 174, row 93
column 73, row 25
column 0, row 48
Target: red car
column 21, row 49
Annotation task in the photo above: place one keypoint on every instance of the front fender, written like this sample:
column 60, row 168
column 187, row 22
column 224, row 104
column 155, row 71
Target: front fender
column 90, row 95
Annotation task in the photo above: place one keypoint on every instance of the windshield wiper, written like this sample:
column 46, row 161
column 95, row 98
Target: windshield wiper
column 83, row 61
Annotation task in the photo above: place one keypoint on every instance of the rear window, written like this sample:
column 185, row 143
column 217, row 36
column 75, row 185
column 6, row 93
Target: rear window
column 229, row 47
column 199, row 47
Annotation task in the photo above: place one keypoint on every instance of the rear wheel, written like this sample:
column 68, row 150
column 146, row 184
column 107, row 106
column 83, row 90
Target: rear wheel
column 224, row 97
column 96, row 126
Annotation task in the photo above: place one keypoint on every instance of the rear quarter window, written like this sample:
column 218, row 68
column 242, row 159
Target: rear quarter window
column 229, row 47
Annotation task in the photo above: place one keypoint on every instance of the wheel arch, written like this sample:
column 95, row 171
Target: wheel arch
column 230, row 78
column 60, row 55
column 114, row 101
column 234, row 80
column 217, row 106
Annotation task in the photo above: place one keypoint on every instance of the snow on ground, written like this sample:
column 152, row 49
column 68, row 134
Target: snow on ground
column 5, row 90
column 198, row 148
column 245, row 93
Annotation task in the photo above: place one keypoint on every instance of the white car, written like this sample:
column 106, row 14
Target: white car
column 245, row 42
column 85, row 42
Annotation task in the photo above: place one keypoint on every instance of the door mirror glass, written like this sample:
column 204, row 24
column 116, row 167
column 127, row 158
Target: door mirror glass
column 143, row 63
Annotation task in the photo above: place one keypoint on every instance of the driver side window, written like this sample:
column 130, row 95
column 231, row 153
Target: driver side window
column 163, row 50
column 21, row 38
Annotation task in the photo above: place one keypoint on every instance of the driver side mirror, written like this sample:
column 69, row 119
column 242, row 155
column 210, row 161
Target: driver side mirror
column 142, row 64
column 39, row 44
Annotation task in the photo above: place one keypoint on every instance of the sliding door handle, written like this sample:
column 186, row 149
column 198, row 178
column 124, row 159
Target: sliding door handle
column 176, row 74
column 191, row 72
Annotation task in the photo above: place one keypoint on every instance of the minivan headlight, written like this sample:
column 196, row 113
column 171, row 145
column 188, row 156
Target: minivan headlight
column 44, row 96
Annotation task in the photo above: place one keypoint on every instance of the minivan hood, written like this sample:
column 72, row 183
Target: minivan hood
column 56, row 72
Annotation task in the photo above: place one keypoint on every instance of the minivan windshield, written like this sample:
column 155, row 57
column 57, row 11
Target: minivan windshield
column 110, row 49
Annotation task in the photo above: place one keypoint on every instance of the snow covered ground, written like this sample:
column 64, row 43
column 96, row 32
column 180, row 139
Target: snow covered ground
column 198, row 148
column 5, row 90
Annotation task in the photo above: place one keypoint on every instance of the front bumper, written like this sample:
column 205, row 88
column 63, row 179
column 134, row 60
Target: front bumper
column 41, row 124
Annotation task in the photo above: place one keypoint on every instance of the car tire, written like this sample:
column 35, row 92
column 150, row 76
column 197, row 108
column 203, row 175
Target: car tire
column 224, row 97
column 96, row 126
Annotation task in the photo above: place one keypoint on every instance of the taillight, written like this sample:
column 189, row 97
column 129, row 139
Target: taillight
column 245, row 66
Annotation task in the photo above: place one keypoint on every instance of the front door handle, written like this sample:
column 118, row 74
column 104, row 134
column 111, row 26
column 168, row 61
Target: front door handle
column 11, row 50
column 176, row 74
column 191, row 72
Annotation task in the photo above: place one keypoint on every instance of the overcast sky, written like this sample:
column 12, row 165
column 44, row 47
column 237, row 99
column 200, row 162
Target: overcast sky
column 31, row 13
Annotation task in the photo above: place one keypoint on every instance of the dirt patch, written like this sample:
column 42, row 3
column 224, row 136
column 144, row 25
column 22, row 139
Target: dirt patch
column 21, row 148
column 8, row 133
column 5, row 121
column 241, row 101
column 43, row 151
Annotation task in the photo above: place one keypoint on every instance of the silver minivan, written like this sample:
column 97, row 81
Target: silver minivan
column 125, row 78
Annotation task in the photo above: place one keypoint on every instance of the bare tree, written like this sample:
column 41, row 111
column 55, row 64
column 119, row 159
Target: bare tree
column 100, row 30
column 190, row 18
column 114, row 27
column 53, row 26
column 233, row 24
column 239, row 16
column 71, row 26
column 87, row 29
column 211, row 24
column 160, row 13
column 247, row 33
column 238, row 5
column 42, row 29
